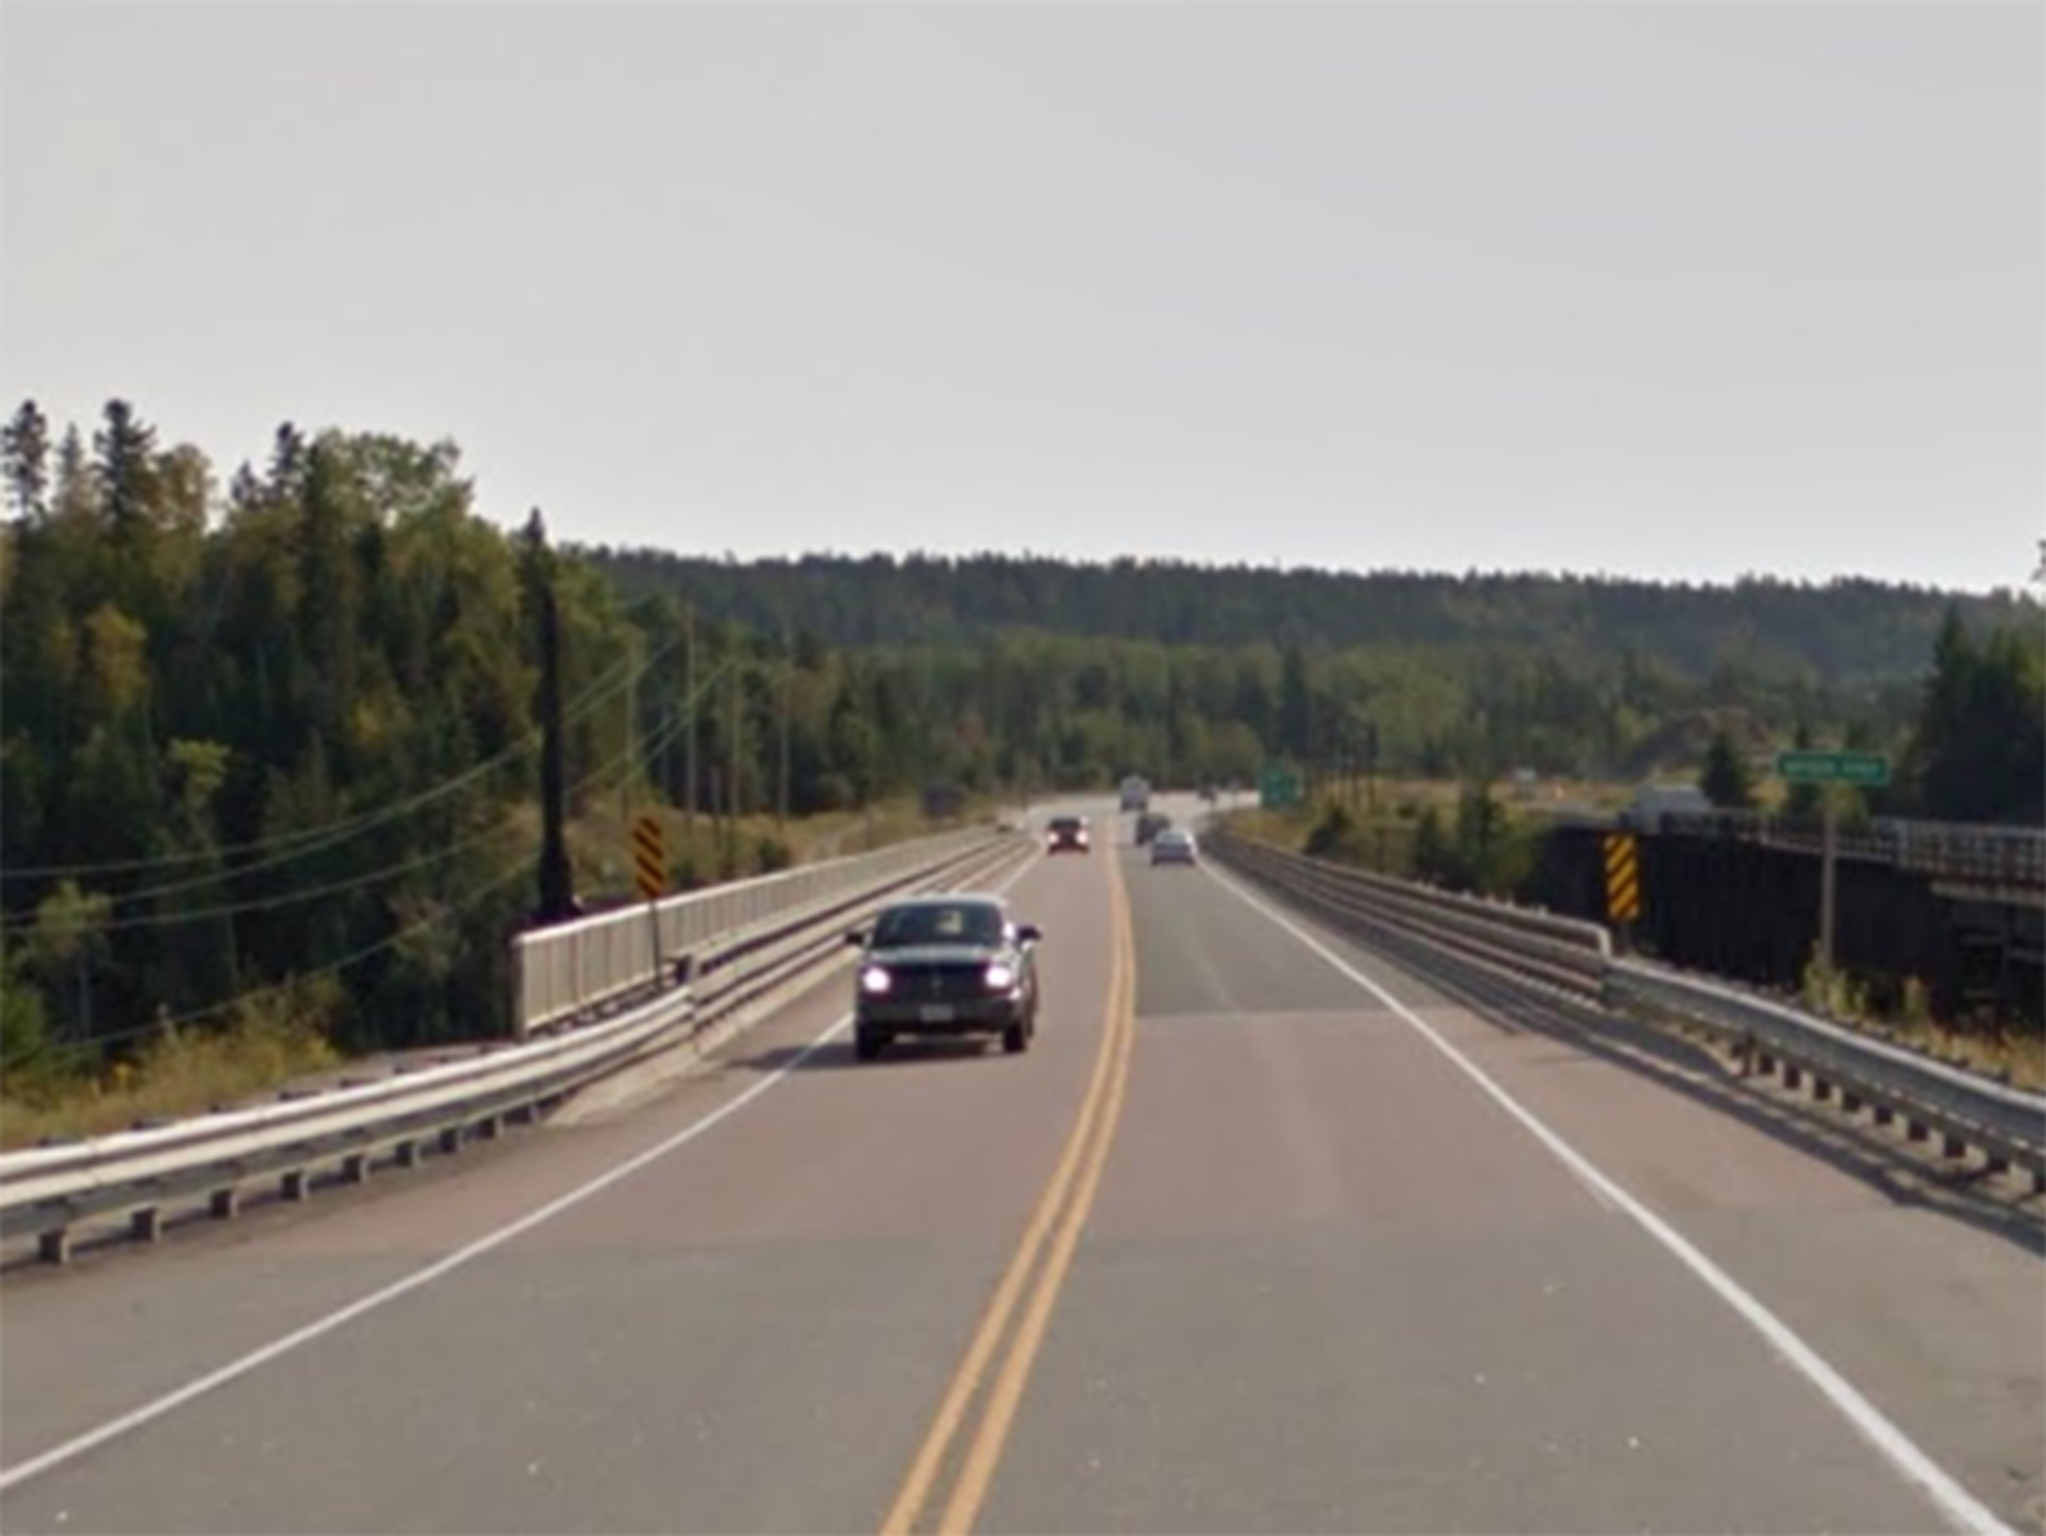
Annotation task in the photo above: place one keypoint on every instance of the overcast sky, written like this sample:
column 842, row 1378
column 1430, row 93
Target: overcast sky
column 1677, row 290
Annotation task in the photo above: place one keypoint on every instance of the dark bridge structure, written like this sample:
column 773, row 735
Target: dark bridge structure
column 1959, row 909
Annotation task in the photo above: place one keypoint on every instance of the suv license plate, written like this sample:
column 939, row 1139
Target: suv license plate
column 935, row 1013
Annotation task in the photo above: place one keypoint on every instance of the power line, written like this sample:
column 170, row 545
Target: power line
column 475, row 898
column 316, row 839
column 338, row 888
column 619, row 766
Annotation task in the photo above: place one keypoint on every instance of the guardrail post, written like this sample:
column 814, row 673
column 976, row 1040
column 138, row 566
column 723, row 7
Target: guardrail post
column 146, row 1225
column 55, row 1247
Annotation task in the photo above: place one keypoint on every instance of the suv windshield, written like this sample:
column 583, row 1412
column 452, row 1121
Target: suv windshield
column 961, row 924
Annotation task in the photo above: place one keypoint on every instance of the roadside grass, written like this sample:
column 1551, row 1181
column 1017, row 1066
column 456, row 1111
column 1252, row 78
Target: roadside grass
column 2017, row 1056
column 1380, row 836
column 2014, row 1053
column 180, row 1073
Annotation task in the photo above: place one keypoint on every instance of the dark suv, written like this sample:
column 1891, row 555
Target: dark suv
column 945, row 965
column 1065, row 834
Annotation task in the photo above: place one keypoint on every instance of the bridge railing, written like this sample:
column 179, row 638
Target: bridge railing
column 565, row 971
column 743, row 946
column 2005, row 857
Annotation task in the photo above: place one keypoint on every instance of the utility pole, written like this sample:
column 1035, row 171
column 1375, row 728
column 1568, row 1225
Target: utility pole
column 1371, row 766
column 788, row 687
column 557, row 878
column 626, row 785
column 689, row 744
column 732, row 778
column 665, row 767
column 1828, row 876
column 923, row 727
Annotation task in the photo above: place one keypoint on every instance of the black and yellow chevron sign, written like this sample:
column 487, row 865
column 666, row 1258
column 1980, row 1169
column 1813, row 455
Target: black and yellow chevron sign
column 1623, row 877
column 649, row 857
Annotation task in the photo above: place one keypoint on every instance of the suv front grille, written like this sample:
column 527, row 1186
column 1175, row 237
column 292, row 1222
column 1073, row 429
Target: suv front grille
column 932, row 983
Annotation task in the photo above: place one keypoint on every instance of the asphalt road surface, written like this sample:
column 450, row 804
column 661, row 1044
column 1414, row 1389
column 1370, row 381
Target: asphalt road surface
column 1264, row 1234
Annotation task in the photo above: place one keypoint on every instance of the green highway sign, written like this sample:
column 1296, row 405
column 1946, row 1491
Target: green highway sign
column 1278, row 786
column 1867, row 769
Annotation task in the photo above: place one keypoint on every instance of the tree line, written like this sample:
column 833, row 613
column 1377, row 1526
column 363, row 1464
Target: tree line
column 1849, row 634
column 1439, row 676
column 275, row 741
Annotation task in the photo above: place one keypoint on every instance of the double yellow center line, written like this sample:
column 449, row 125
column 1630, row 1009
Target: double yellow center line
column 980, row 1405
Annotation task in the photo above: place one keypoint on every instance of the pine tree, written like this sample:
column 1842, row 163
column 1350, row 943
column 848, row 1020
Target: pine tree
column 25, row 448
column 74, row 496
column 1296, row 706
column 1726, row 780
column 287, row 463
column 125, row 451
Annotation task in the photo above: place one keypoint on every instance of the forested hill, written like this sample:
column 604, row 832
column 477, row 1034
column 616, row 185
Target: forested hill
column 1846, row 632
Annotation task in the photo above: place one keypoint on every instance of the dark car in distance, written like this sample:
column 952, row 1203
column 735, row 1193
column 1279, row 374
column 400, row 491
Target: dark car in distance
column 949, row 965
column 1066, row 834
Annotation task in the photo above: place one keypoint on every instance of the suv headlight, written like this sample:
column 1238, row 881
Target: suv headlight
column 875, row 980
column 1000, row 977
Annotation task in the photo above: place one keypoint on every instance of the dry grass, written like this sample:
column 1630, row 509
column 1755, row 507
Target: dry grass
column 2016, row 1056
column 179, row 1075
column 1285, row 829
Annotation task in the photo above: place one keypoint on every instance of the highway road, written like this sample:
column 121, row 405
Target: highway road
column 1265, row 1234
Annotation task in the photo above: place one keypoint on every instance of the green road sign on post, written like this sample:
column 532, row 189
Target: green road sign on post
column 1866, row 769
column 1863, row 770
column 1278, row 786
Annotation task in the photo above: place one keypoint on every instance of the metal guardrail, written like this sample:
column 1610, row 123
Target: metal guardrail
column 2007, row 1125
column 777, row 937
column 1564, row 952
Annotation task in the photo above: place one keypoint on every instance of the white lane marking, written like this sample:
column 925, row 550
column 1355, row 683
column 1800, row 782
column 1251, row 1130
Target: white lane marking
column 156, row 1409
column 135, row 1418
column 1959, row 1506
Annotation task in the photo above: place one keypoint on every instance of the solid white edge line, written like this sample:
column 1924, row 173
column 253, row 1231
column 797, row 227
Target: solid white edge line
column 156, row 1408
column 1959, row 1506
